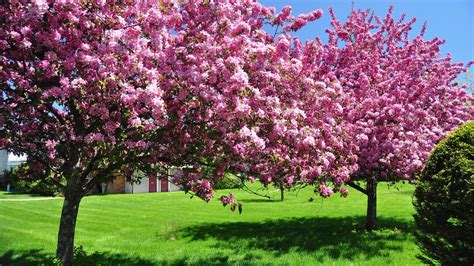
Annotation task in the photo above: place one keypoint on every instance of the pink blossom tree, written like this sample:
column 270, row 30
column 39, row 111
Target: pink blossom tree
column 404, row 97
column 68, row 72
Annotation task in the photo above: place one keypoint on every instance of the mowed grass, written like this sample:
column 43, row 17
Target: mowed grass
column 172, row 229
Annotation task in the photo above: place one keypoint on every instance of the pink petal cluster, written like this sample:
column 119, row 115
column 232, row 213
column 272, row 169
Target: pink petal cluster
column 325, row 191
column 227, row 199
column 344, row 192
column 295, row 23
column 303, row 19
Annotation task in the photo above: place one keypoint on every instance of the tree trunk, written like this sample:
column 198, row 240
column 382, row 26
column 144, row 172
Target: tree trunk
column 67, row 226
column 371, row 189
column 282, row 192
column 99, row 189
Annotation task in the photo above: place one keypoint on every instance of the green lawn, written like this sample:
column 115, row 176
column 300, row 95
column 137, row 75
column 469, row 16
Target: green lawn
column 170, row 229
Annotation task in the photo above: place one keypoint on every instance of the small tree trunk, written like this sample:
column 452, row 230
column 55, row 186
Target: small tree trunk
column 282, row 192
column 67, row 226
column 99, row 189
column 371, row 189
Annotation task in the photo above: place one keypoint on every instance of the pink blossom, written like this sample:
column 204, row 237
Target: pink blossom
column 309, row 141
column 283, row 46
column 135, row 122
column 289, row 180
column 344, row 192
column 227, row 199
column 242, row 28
column 325, row 191
column 283, row 16
column 51, row 149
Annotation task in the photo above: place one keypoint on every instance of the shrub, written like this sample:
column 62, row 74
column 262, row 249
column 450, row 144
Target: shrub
column 444, row 200
column 229, row 181
column 4, row 178
column 39, row 187
column 28, row 186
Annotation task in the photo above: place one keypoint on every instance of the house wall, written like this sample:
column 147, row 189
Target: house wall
column 128, row 188
column 3, row 161
column 158, row 184
column 143, row 187
column 116, row 186
column 173, row 187
column 140, row 188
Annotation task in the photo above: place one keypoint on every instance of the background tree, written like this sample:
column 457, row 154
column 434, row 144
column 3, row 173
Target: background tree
column 403, row 95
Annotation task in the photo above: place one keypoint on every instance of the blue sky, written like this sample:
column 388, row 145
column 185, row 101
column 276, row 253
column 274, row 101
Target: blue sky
column 451, row 20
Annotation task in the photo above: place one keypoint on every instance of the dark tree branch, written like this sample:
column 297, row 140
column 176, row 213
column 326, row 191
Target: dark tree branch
column 247, row 189
column 56, row 114
column 357, row 187
column 54, row 182
column 50, row 168
column 101, row 173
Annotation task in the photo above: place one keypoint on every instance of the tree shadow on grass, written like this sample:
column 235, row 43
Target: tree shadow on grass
column 323, row 237
column 39, row 257
column 272, row 200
